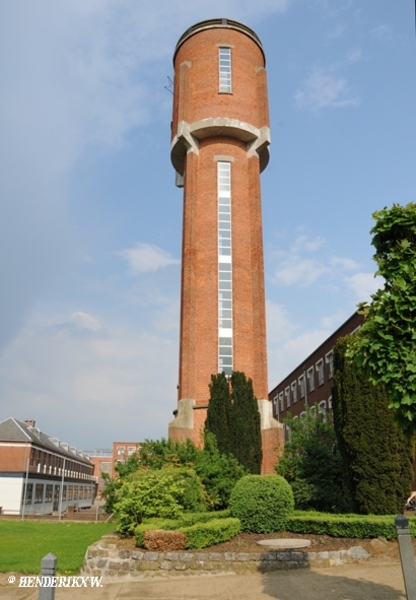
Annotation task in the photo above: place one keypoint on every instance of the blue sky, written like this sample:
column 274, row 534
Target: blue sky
column 90, row 221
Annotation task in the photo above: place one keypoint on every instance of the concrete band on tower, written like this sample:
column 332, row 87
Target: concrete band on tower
column 220, row 138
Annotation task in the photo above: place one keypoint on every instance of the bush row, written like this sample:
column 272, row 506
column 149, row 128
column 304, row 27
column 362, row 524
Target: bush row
column 349, row 526
column 213, row 532
column 187, row 521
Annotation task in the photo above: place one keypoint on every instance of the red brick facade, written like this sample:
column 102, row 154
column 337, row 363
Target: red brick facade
column 208, row 127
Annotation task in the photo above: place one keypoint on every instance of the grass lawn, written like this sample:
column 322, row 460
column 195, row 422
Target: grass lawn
column 24, row 543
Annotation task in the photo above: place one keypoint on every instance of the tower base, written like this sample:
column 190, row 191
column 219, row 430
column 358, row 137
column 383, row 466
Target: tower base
column 189, row 424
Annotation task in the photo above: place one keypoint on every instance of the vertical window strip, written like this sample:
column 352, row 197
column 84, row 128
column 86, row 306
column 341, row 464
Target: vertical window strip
column 225, row 70
column 225, row 307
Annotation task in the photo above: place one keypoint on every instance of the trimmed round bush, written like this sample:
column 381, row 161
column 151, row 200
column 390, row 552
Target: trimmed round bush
column 263, row 503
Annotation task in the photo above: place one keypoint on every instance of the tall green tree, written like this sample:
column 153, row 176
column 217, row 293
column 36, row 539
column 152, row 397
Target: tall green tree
column 245, row 423
column 385, row 346
column 233, row 417
column 219, row 413
column 377, row 454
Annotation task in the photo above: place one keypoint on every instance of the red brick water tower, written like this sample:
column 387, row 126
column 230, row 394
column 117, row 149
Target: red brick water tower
column 220, row 139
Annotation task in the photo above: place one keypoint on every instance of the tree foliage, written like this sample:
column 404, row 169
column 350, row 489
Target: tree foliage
column 217, row 472
column 312, row 464
column 245, row 426
column 385, row 346
column 147, row 494
column 377, row 455
column 219, row 413
column 233, row 417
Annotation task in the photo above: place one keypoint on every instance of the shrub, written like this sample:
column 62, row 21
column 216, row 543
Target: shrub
column 147, row 494
column 352, row 526
column 312, row 463
column 185, row 520
column 262, row 503
column 213, row 532
column 217, row 472
column 159, row 540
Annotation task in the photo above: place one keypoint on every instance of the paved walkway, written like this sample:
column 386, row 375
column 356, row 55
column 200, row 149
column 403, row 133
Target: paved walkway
column 376, row 581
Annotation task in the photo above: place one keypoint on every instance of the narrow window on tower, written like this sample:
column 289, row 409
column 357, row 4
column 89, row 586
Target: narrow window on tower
column 225, row 70
column 225, row 292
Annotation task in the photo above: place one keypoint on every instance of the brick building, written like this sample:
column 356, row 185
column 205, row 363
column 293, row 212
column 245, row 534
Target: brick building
column 311, row 382
column 39, row 474
column 121, row 452
column 220, row 139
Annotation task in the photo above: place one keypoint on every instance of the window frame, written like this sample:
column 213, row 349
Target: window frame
column 224, row 70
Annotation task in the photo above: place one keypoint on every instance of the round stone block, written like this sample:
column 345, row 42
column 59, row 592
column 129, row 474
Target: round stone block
column 284, row 544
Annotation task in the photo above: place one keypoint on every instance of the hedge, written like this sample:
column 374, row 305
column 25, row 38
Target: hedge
column 213, row 532
column 185, row 520
column 349, row 526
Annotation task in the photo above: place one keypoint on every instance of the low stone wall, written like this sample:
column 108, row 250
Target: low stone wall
column 104, row 559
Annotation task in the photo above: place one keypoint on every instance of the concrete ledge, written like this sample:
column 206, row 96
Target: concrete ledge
column 103, row 559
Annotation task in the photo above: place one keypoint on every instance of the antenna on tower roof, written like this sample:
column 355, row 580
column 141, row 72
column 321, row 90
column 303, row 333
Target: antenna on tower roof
column 169, row 87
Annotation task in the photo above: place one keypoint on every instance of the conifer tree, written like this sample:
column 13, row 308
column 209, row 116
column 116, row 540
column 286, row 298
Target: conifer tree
column 245, row 424
column 377, row 455
column 233, row 417
column 218, row 419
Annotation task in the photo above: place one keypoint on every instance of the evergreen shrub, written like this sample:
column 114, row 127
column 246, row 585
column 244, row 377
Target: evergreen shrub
column 165, row 493
column 184, row 520
column 263, row 503
column 202, row 535
column 377, row 455
column 349, row 526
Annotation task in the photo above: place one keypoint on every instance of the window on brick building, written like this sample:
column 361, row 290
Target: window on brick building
column 281, row 402
column 329, row 359
column 120, row 450
column 320, row 370
column 225, row 70
column 310, row 373
column 131, row 450
column 302, row 386
column 293, row 387
column 322, row 408
column 287, row 397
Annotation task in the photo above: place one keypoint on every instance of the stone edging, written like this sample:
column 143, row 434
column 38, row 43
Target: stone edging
column 103, row 559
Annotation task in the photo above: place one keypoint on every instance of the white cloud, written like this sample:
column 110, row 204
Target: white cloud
column 382, row 32
column 285, row 357
column 324, row 90
column 301, row 271
column 117, row 383
column 148, row 257
column 337, row 32
column 363, row 285
column 306, row 261
column 279, row 326
column 343, row 263
column 85, row 321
